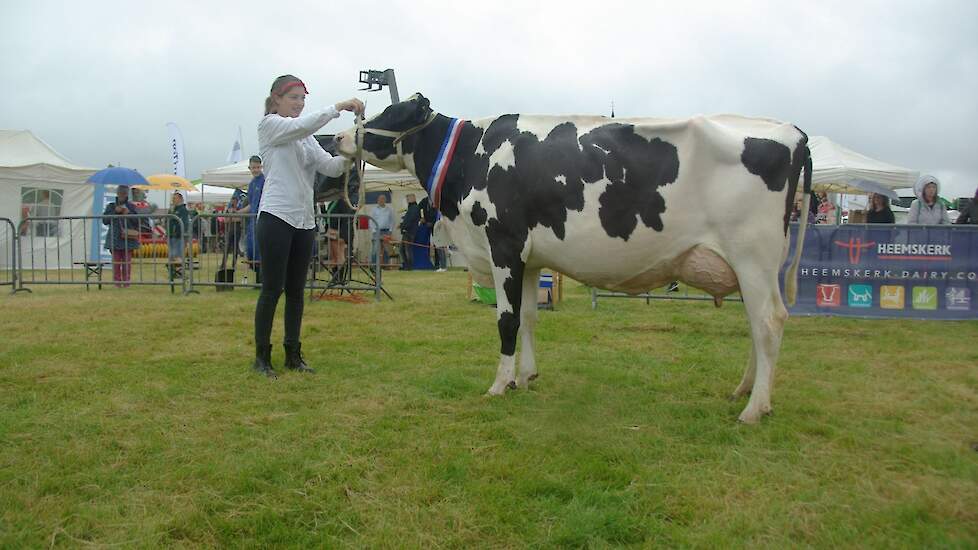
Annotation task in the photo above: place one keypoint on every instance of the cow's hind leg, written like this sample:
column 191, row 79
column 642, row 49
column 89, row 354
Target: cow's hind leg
column 747, row 382
column 767, row 315
column 528, row 320
column 509, row 290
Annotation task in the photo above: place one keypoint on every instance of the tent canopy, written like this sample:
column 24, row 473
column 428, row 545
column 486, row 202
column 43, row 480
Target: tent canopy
column 237, row 175
column 837, row 169
column 210, row 195
column 26, row 158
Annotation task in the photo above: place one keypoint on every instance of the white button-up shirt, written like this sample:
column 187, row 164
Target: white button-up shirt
column 381, row 218
column 290, row 159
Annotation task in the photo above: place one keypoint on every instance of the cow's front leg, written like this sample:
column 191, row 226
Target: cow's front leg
column 509, row 288
column 528, row 320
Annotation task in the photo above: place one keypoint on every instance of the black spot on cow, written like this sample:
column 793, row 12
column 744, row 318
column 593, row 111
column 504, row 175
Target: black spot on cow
column 635, row 167
column 479, row 214
column 798, row 159
column 768, row 159
column 544, row 181
column 509, row 327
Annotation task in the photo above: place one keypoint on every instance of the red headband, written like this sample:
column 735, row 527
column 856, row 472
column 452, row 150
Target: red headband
column 286, row 87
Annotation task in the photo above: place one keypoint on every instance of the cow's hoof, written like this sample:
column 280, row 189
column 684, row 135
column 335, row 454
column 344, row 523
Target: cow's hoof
column 499, row 388
column 525, row 382
column 753, row 416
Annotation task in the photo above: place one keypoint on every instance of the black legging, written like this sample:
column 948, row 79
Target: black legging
column 285, row 255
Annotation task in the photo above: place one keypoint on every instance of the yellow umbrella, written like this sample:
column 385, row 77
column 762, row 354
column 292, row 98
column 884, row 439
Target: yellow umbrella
column 167, row 182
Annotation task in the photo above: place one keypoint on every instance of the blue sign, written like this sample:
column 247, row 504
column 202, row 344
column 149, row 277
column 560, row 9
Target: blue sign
column 867, row 270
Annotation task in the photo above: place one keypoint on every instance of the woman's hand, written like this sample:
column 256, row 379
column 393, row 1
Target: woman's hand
column 353, row 105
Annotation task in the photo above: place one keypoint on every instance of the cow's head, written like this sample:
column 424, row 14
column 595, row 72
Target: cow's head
column 388, row 138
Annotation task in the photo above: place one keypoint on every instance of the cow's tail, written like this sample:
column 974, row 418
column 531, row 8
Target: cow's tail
column 791, row 276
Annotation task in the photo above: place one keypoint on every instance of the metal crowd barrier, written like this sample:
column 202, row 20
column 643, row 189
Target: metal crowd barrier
column 814, row 232
column 228, row 255
column 70, row 250
column 681, row 292
column 8, row 254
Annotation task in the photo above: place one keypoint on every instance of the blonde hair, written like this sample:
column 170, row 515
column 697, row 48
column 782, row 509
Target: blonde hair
column 278, row 90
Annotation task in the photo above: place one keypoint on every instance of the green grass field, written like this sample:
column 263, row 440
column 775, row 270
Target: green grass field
column 131, row 418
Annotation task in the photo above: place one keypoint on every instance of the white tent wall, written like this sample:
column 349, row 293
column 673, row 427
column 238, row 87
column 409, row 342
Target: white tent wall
column 26, row 163
column 42, row 244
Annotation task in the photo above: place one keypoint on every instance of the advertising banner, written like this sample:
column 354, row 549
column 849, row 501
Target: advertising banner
column 877, row 270
column 176, row 150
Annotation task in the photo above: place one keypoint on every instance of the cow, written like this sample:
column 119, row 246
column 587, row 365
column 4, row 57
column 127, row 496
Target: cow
column 626, row 204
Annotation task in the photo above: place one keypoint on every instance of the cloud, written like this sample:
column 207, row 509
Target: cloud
column 99, row 80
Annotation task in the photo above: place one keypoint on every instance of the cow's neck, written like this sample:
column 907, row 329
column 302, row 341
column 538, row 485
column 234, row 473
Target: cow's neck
column 427, row 147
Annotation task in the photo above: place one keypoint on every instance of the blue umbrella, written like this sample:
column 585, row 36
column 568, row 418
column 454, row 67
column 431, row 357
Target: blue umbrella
column 117, row 175
column 114, row 175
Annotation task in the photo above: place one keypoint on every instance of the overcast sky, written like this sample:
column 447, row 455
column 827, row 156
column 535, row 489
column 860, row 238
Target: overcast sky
column 895, row 80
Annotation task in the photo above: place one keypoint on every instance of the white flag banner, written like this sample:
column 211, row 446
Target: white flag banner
column 176, row 150
column 235, row 155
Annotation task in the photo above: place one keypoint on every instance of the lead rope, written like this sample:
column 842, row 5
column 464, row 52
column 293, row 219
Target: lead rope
column 358, row 162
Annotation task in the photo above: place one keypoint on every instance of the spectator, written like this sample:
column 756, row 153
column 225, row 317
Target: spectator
column 250, row 205
column 205, row 228
column 879, row 209
column 286, row 226
column 927, row 209
column 234, row 225
column 826, row 210
column 429, row 216
column 796, row 212
column 123, row 235
column 381, row 222
column 409, row 231
column 969, row 215
column 338, row 231
column 174, row 231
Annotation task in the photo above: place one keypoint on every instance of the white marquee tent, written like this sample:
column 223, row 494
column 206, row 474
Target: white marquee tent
column 237, row 175
column 35, row 180
column 836, row 169
column 400, row 184
column 210, row 195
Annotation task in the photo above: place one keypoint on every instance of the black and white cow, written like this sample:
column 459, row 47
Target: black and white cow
column 620, row 204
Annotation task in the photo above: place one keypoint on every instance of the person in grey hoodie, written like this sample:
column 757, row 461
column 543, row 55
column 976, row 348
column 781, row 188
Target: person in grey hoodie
column 927, row 209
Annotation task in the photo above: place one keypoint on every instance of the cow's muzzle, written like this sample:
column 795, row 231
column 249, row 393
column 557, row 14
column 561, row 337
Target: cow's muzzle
column 346, row 143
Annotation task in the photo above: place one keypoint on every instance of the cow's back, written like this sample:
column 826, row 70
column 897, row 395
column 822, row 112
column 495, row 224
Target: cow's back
column 607, row 200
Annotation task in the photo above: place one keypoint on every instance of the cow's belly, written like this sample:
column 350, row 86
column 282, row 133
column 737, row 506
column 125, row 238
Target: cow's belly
column 634, row 267
column 696, row 265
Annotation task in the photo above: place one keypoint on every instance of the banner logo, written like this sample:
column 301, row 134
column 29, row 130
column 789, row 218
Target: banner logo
column 924, row 297
column 957, row 298
column 860, row 295
column 828, row 295
column 855, row 247
column 891, row 297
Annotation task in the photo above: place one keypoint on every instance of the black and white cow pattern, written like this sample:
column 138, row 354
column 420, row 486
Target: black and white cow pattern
column 623, row 204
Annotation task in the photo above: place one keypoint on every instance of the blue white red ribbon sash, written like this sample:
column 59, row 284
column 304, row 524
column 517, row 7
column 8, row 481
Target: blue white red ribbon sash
column 444, row 158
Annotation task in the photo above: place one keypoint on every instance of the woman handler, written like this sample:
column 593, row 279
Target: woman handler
column 286, row 225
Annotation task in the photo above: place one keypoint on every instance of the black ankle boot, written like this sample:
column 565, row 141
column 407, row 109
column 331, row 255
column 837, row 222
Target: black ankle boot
column 263, row 361
column 293, row 359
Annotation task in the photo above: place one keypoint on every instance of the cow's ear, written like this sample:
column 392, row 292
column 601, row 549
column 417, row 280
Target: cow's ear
column 423, row 108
